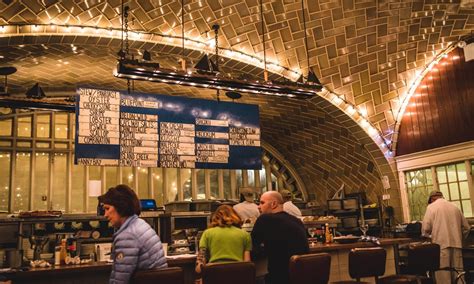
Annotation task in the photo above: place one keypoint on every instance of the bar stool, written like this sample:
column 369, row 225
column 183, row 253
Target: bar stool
column 170, row 275
column 423, row 259
column 229, row 273
column 366, row 262
column 310, row 268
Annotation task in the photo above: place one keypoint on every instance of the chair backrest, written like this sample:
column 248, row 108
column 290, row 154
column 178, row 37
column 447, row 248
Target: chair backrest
column 423, row 257
column 229, row 273
column 310, row 268
column 170, row 275
column 367, row 262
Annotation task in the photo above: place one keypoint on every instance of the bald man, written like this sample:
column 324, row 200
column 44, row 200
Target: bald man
column 280, row 234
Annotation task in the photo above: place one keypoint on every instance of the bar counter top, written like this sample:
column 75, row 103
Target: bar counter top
column 336, row 246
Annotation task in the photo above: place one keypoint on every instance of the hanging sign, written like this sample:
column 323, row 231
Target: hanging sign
column 114, row 128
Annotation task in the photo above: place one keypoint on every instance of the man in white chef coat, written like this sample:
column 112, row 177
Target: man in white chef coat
column 288, row 206
column 447, row 226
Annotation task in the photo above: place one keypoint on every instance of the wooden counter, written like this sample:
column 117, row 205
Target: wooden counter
column 335, row 246
column 93, row 273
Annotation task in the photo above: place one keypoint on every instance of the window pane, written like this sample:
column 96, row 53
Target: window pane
column 60, row 121
column 24, row 126
column 467, row 208
column 214, row 184
column 6, row 127
column 142, row 183
column 463, row 187
column 171, row 185
column 78, row 189
column 22, row 182
column 185, row 176
column 461, row 167
column 110, row 177
column 59, row 181
column 454, row 190
column 227, row 188
column 444, row 189
column 40, row 196
column 43, row 121
column 457, row 203
column 263, row 179
column 441, row 174
column 251, row 177
column 238, row 176
column 127, row 177
column 94, row 174
column 157, row 178
column 201, row 190
column 4, row 181
column 452, row 173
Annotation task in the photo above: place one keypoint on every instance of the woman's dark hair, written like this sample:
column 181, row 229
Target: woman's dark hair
column 123, row 198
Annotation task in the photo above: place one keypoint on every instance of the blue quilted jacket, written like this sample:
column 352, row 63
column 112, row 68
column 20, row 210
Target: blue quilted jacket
column 136, row 246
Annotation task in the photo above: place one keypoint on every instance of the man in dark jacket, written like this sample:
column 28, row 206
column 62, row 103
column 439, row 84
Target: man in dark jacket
column 281, row 235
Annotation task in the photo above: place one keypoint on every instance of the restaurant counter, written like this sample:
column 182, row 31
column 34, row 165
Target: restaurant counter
column 93, row 273
column 98, row 273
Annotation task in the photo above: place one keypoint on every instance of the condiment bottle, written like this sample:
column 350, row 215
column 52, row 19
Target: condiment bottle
column 63, row 251
column 57, row 255
column 327, row 234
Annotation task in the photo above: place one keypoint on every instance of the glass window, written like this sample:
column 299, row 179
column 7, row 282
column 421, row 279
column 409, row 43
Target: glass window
column 21, row 193
column 214, row 184
column 201, row 190
column 185, row 180
column 6, row 127
column 4, row 181
column 171, row 184
column 251, row 178
column 61, row 126
column 78, row 189
column 157, row 178
column 127, row 177
column 24, row 126
column 263, row 179
column 43, row 121
column 452, row 181
column 227, row 188
column 142, row 183
column 41, row 189
column 110, row 177
column 238, row 177
column 94, row 174
column 59, row 181
column 419, row 183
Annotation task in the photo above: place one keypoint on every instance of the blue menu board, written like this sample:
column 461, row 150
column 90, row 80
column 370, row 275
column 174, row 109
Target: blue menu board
column 114, row 128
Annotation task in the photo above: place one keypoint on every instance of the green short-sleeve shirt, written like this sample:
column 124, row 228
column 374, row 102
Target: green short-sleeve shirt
column 226, row 243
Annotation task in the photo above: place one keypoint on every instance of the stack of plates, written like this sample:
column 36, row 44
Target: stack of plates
column 27, row 251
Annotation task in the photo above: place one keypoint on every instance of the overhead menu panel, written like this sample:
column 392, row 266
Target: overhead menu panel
column 114, row 128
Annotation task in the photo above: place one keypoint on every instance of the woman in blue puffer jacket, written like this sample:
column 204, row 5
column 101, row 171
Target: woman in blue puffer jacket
column 136, row 246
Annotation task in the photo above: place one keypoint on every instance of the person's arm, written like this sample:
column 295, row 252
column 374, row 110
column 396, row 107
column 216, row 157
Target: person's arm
column 247, row 255
column 466, row 228
column 125, row 258
column 202, row 253
column 200, row 260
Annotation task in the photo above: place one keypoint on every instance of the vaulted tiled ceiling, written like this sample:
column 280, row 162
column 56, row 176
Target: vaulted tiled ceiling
column 367, row 51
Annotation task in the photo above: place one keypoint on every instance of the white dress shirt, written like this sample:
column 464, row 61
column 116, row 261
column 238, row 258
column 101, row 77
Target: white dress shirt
column 247, row 210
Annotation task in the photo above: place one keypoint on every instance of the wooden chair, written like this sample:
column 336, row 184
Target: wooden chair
column 170, row 275
column 310, row 268
column 228, row 273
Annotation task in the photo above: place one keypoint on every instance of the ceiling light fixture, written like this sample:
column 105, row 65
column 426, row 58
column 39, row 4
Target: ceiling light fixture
column 206, row 76
column 311, row 79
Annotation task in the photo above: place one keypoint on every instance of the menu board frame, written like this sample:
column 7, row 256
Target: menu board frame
column 115, row 128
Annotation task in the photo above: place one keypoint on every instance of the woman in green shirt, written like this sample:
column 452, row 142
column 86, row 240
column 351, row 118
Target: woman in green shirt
column 224, row 240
